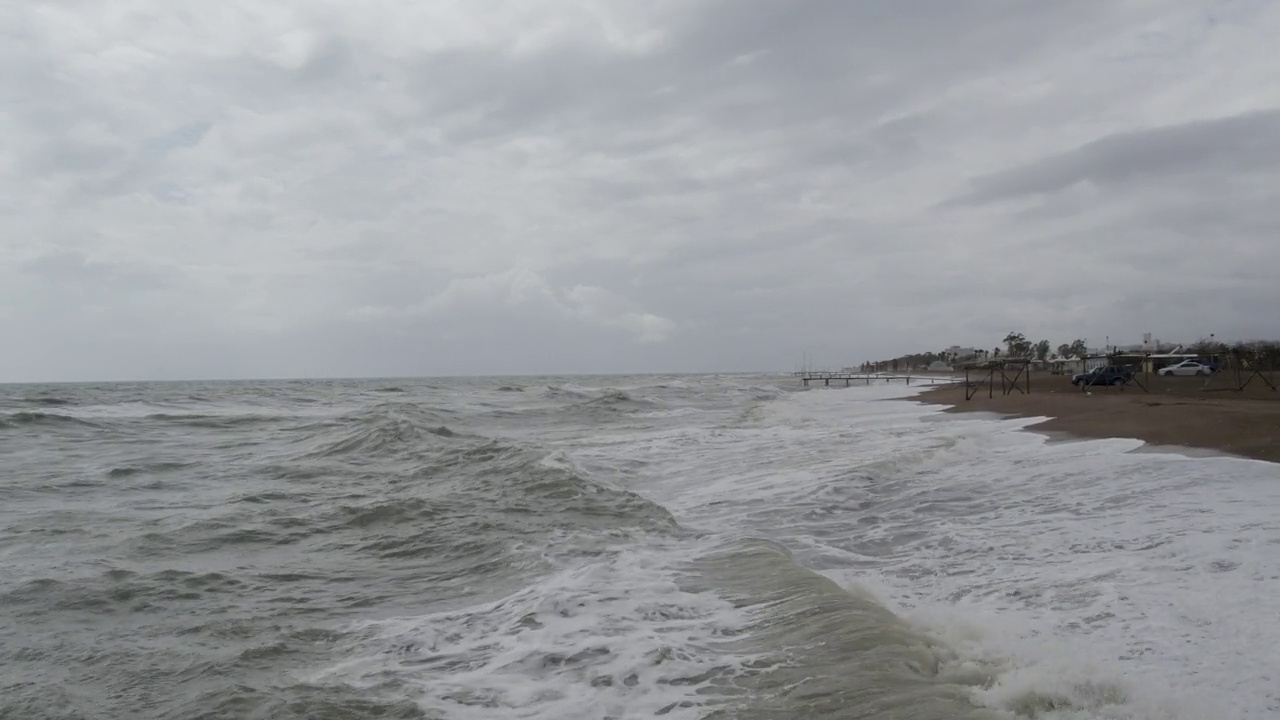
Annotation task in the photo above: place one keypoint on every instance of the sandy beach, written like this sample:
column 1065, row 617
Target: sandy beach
column 1174, row 412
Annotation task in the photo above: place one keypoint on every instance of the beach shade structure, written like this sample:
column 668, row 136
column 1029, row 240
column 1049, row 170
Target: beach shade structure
column 978, row 375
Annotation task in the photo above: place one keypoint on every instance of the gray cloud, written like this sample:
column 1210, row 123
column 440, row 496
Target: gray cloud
column 1238, row 144
column 585, row 186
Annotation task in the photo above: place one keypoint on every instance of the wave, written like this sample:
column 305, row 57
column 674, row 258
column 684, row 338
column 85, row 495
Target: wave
column 767, row 392
column 475, row 513
column 146, row 469
column 554, row 479
column 617, row 401
column 47, row 401
column 821, row 650
column 378, row 431
column 264, row 497
column 232, row 533
column 213, row 421
column 845, row 649
column 566, row 390
column 610, row 397
column 413, row 510
column 598, row 399
column 26, row 418
column 117, row 590
column 499, row 491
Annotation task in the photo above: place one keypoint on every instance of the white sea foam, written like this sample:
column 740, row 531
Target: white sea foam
column 1113, row 583
column 616, row 637
column 1085, row 579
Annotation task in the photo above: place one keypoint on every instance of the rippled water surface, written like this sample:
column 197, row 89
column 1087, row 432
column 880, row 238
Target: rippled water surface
column 614, row 547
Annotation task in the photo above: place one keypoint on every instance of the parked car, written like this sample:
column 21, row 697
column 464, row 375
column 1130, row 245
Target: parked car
column 1186, row 367
column 1105, row 375
column 1210, row 363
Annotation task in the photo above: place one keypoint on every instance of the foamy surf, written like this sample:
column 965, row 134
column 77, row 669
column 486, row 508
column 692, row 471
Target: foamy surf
column 696, row 629
column 615, row 637
column 1091, row 581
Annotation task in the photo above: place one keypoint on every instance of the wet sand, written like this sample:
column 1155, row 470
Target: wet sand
column 1176, row 412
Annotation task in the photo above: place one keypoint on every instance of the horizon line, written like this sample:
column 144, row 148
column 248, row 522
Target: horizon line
column 389, row 377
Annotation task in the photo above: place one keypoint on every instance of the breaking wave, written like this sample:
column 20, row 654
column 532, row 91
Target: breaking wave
column 384, row 428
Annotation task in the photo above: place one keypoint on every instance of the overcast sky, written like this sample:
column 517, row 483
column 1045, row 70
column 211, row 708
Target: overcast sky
column 405, row 187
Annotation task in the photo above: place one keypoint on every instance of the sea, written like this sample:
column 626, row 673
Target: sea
column 712, row 546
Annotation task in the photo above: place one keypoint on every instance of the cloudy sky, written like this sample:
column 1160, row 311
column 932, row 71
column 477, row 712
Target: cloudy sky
column 421, row 187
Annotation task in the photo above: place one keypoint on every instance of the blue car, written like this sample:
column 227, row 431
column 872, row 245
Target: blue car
column 1105, row 375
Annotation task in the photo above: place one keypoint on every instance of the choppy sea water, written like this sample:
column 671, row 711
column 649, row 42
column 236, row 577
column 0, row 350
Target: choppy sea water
column 621, row 547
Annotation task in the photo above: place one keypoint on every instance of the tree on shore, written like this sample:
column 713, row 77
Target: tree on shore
column 1077, row 349
column 1207, row 347
column 1042, row 350
column 1016, row 344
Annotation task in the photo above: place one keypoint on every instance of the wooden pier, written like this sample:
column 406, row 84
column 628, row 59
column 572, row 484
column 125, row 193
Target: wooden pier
column 849, row 378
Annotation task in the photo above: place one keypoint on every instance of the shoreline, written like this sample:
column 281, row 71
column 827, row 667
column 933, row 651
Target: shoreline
column 1176, row 415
